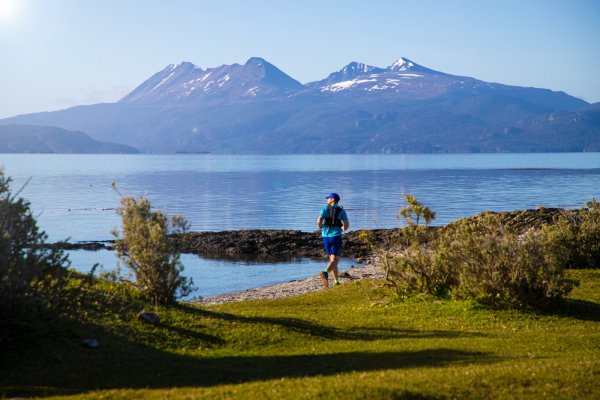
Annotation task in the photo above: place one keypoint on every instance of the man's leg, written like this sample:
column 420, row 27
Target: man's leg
column 333, row 247
column 334, row 257
column 325, row 273
column 333, row 266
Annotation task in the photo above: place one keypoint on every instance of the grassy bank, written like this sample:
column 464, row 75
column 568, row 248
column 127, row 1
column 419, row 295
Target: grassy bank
column 346, row 342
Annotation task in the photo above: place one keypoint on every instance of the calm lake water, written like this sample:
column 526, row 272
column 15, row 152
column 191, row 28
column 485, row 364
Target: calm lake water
column 72, row 195
column 212, row 277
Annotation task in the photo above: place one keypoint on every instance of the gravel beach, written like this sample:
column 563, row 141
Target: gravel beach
column 295, row 287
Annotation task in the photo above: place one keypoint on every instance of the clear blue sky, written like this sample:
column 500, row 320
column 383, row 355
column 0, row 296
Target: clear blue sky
column 60, row 53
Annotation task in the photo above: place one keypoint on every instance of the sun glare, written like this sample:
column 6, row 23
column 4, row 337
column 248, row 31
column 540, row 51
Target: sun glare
column 9, row 9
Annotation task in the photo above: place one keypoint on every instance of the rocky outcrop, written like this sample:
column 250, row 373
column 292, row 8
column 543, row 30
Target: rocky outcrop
column 266, row 245
column 277, row 245
column 93, row 246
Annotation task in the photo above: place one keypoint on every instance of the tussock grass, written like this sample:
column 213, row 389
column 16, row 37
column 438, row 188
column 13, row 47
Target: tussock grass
column 347, row 342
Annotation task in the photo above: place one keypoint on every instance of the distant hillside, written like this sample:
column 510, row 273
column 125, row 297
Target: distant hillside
column 49, row 139
column 403, row 108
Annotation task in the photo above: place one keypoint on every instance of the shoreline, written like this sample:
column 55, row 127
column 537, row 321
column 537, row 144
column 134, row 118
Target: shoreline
column 274, row 245
column 293, row 287
column 286, row 245
column 354, row 246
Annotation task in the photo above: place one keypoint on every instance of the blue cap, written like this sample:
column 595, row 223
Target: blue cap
column 334, row 196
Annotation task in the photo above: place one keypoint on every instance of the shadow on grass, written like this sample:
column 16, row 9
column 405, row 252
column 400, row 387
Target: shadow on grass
column 60, row 366
column 313, row 329
column 578, row 309
column 142, row 367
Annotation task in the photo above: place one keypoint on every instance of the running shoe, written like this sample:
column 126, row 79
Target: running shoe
column 324, row 276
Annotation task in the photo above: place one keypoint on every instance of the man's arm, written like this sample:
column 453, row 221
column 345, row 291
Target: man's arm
column 346, row 225
column 319, row 221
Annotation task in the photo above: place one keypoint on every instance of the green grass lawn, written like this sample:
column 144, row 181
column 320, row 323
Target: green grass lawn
column 347, row 342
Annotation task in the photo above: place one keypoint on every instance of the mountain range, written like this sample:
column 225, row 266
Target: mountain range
column 402, row 108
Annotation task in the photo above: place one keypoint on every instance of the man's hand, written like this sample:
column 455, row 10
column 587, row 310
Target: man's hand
column 346, row 225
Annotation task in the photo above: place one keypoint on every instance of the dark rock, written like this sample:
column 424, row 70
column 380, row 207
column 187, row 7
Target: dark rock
column 280, row 245
column 91, row 246
column 276, row 245
column 90, row 343
column 148, row 317
column 286, row 245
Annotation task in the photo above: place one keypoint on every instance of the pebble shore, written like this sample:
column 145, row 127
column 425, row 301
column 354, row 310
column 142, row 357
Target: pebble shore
column 294, row 287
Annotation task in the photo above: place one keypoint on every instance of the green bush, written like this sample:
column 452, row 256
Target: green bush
column 147, row 251
column 33, row 277
column 494, row 266
column 480, row 259
column 417, row 269
column 411, row 266
column 576, row 237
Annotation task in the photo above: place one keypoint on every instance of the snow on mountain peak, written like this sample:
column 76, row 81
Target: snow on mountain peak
column 345, row 85
column 176, row 82
column 402, row 64
column 182, row 65
column 357, row 67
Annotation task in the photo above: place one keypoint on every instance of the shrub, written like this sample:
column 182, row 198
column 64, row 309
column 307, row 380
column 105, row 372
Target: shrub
column 589, row 235
column 417, row 269
column 494, row 266
column 147, row 251
column 411, row 267
column 576, row 237
column 33, row 277
column 480, row 259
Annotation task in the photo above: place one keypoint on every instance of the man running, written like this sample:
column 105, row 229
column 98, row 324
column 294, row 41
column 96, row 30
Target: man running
column 332, row 220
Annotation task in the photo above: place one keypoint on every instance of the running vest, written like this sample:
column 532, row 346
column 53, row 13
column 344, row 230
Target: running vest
column 333, row 219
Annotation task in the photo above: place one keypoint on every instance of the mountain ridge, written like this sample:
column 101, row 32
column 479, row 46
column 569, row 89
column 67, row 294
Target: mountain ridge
column 50, row 139
column 186, row 81
column 258, row 108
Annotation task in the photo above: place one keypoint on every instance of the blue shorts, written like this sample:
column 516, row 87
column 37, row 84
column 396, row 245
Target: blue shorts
column 333, row 245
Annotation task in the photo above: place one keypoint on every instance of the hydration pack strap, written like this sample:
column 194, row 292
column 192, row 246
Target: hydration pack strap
column 333, row 216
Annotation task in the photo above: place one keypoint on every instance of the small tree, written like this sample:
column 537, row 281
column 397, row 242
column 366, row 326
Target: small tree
column 412, row 268
column 414, row 211
column 32, row 276
column 147, row 250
